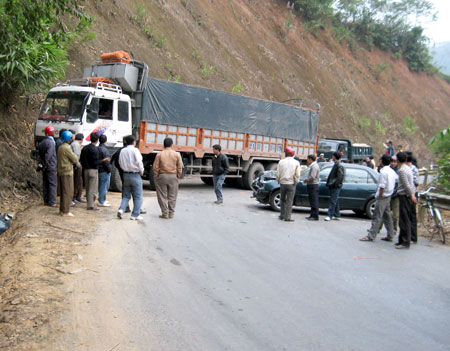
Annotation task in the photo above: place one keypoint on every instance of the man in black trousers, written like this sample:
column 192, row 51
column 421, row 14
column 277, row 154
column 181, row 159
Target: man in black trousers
column 406, row 198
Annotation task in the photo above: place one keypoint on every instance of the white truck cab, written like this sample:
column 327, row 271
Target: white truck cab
column 84, row 109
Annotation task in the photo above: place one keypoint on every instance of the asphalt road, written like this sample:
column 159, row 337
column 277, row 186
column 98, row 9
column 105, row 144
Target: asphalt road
column 234, row 277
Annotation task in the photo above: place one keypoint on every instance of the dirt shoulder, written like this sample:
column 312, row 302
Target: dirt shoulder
column 40, row 256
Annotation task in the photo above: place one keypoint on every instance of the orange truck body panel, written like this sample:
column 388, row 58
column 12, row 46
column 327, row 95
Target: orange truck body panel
column 200, row 141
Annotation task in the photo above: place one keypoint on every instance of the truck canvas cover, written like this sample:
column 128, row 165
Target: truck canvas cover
column 183, row 105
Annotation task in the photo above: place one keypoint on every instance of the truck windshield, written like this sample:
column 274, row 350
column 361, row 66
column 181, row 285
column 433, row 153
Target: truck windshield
column 64, row 106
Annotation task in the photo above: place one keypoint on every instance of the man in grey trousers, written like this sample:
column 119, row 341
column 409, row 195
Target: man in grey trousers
column 167, row 169
column 382, row 214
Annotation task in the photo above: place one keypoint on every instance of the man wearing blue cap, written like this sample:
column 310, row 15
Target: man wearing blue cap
column 66, row 160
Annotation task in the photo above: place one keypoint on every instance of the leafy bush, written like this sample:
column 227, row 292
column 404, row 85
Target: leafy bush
column 440, row 143
column 34, row 39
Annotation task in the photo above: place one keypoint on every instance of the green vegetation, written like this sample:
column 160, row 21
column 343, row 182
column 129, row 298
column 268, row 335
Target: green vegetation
column 35, row 37
column 365, row 123
column 409, row 125
column 379, row 128
column 154, row 37
column 381, row 23
column 237, row 88
column 440, row 144
column 205, row 69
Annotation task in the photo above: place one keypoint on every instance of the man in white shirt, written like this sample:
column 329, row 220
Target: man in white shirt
column 130, row 160
column 288, row 174
column 382, row 214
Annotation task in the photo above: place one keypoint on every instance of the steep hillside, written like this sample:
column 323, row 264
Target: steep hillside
column 260, row 49
column 366, row 96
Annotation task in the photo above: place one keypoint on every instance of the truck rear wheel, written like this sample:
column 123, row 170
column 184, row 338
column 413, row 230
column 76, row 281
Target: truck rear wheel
column 253, row 171
column 151, row 178
column 116, row 182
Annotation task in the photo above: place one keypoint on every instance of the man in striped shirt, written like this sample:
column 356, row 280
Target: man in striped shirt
column 406, row 196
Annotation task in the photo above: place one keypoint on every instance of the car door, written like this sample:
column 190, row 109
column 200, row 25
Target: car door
column 324, row 192
column 301, row 191
column 358, row 187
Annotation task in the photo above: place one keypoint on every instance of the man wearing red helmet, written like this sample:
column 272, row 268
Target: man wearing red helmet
column 288, row 174
column 47, row 159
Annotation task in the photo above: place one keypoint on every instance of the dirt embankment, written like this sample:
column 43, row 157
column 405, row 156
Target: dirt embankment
column 39, row 258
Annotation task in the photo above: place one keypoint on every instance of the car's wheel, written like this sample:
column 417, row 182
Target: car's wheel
column 207, row 180
column 116, row 182
column 370, row 208
column 253, row 171
column 275, row 200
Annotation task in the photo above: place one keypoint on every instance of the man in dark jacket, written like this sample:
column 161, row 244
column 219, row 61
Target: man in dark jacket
column 90, row 160
column 104, row 172
column 220, row 169
column 48, row 165
column 334, row 184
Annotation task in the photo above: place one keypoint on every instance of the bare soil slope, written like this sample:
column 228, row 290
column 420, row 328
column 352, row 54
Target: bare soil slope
column 364, row 95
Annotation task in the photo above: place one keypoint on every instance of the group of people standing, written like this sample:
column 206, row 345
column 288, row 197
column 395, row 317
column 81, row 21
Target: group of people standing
column 396, row 200
column 64, row 164
column 396, row 196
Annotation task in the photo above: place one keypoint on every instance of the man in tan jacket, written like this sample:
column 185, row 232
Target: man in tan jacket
column 167, row 170
column 66, row 160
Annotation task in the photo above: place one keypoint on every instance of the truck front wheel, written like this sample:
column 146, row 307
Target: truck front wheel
column 253, row 171
column 116, row 182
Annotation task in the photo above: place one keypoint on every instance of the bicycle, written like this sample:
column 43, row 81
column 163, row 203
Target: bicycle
column 430, row 216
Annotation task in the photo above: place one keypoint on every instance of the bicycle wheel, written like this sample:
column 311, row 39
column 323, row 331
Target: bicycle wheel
column 441, row 233
column 426, row 219
column 439, row 224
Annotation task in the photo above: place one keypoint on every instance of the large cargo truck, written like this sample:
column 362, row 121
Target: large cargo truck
column 115, row 97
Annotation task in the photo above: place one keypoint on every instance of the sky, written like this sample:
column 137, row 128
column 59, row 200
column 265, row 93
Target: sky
column 439, row 30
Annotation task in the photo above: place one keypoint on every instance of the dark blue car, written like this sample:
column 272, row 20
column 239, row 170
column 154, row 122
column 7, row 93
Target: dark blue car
column 357, row 194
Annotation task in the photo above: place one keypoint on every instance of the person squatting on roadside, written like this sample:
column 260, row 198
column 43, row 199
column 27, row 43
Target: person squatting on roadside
column 406, row 197
column 167, row 169
column 382, row 214
column 220, row 169
column 90, row 160
column 288, row 175
column 77, row 170
column 334, row 184
column 104, row 172
column 312, row 184
column 48, row 165
column 66, row 160
column 130, row 160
